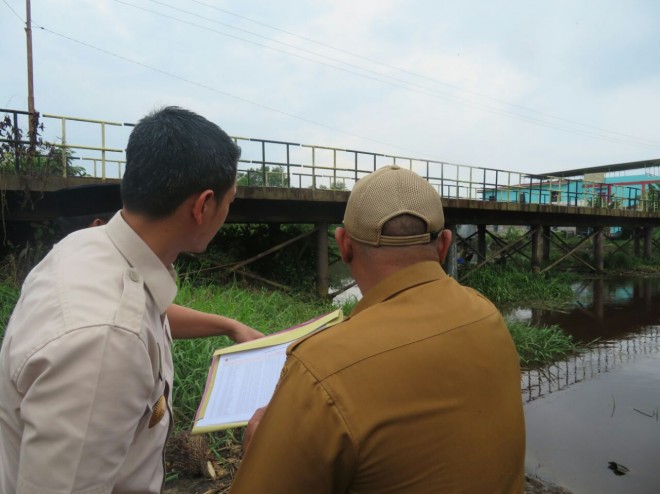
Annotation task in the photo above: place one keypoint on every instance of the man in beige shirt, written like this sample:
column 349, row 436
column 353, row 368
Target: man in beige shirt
column 417, row 392
column 86, row 364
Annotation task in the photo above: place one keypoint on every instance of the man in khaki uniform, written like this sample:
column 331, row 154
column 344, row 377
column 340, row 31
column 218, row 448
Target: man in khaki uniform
column 86, row 364
column 417, row 392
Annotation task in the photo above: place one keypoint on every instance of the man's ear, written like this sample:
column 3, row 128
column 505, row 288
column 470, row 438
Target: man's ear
column 443, row 244
column 200, row 205
column 345, row 244
column 97, row 222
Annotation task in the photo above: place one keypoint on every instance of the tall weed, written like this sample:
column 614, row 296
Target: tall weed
column 540, row 345
column 8, row 297
column 267, row 311
column 510, row 284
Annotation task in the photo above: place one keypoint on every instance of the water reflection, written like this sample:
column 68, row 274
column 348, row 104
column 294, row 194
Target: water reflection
column 620, row 317
column 606, row 413
column 342, row 286
column 575, row 436
column 605, row 309
column 603, row 357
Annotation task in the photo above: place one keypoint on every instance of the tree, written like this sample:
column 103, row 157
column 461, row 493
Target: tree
column 334, row 185
column 16, row 155
column 652, row 197
column 254, row 177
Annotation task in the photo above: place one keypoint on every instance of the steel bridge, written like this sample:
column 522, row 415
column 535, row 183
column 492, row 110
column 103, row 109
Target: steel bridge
column 286, row 182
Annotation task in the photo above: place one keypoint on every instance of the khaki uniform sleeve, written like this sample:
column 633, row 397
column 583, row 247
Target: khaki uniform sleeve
column 84, row 395
column 302, row 444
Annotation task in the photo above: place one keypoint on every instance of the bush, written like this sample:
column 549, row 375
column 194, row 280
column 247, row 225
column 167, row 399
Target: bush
column 540, row 345
column 508, row 284
column 620, row 261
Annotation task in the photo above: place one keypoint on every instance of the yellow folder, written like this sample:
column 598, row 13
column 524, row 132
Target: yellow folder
column 227, row 402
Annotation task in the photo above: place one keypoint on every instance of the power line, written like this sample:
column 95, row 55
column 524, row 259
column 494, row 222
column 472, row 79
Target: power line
column 628, row 140
column 224, row 93
column 11, row 8
column 421, row 76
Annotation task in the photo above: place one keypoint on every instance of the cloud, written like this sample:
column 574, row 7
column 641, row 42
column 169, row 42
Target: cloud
column 469, row 82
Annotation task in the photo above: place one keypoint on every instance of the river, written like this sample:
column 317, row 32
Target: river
column 592, row 419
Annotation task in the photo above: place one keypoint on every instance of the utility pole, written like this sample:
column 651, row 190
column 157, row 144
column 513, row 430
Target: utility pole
column 31, row 110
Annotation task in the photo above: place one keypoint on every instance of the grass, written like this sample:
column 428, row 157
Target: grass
column 8, row 298
column 622, row 262
column 540, row 345
column 512, row 284
column 264, row 310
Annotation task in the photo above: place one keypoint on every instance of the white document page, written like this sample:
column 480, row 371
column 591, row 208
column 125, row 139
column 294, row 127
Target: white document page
column 244, row 381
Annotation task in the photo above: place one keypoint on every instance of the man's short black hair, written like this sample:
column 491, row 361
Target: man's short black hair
column 404, row 225
column 173, row 153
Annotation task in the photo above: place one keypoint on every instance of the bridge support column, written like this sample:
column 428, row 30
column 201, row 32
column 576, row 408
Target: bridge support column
column 598, row 248
column 481, row 242
column 450, row 265
column 546, row 242
column 648, row 241
column 322, row 260
column 537, row 250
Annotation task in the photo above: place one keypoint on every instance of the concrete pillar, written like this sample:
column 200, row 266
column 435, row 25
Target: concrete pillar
column 450, row 265
column 636, row 236
column 481, row 242
column 322, row 260
column 648, row 241
column 546, row 242
column 599, row 248
column 537, row 251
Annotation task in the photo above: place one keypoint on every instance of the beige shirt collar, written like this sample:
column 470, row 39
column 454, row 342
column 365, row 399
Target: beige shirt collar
column 417, row 274
column 159, row 279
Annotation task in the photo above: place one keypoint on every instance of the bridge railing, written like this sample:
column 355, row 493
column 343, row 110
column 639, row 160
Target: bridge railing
column 96, row 148
column 88, row 147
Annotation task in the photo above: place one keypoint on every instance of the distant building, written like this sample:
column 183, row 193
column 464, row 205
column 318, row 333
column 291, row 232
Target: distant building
column 593, row 190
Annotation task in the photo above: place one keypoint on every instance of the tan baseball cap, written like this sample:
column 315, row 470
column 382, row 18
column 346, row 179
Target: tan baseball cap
column 386, row 193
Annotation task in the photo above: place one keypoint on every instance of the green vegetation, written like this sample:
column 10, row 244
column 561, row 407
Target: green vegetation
column 620, row 262
column 511, row 284
column 538, row 346
column 293, row 266
column 269, row 176
column 8, row 298
column 652, row 196
column 42, row 159
column 264, row 310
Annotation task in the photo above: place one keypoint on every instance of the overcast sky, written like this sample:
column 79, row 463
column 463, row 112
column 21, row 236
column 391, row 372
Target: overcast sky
column 532, row 86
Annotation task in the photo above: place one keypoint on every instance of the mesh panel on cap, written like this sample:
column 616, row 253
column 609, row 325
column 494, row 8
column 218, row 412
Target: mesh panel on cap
column 388, row 192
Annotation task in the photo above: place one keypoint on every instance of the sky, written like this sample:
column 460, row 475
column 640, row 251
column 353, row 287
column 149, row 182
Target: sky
column 521, row 85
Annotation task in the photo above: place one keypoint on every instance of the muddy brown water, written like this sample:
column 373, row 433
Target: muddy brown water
column 592, row 419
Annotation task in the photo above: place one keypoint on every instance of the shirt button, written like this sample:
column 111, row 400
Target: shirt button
column 134, row 276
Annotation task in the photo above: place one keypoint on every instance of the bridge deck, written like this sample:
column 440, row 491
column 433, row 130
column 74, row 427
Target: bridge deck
column 309, row 183
column 295, row 205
